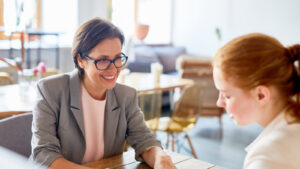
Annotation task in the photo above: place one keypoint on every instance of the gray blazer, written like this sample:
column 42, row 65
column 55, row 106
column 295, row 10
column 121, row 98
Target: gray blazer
column 58, row 129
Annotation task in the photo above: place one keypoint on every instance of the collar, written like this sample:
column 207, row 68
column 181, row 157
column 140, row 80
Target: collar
column 112, row 107
column 277, row 122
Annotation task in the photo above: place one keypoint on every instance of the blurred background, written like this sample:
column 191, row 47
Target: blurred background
column 181, row 35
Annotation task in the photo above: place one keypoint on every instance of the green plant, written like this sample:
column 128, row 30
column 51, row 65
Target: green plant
column 218, row 33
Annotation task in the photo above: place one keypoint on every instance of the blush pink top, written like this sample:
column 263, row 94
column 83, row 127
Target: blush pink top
column 93, row 118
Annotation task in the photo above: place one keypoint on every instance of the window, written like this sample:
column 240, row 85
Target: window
column 60, row 16
column 48, row 15
column 158, row 15
column 123, row 14
column 155, row 13
column 1, row 20
column 17, row 15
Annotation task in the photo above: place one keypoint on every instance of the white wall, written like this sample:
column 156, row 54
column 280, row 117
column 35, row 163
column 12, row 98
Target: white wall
column 279, row 18
column 66, row 19
column 195, row 22
column 88, row 9
column 69, row 14
column 59, row 18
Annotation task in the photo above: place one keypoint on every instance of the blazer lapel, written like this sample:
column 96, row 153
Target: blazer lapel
column 112, row 113
column 75, row 99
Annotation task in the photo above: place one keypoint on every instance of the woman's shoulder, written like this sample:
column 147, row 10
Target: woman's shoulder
column 55, row 79
column 56, row 82
column 287, row 132
column 61, row 78
column 285, row 135
column 124, row 90
column 281, row 146
column 283, row 140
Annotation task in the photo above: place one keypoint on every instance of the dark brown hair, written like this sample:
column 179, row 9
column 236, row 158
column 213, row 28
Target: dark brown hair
column 89, row 35
column 257, row 59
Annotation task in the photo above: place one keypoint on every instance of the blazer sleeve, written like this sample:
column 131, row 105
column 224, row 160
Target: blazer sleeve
column 139, row 135
column 45, row 144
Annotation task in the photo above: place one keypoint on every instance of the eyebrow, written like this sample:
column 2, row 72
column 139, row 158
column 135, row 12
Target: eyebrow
column 106, row 56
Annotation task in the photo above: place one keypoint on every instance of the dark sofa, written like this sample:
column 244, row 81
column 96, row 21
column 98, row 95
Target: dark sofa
column 166, row 55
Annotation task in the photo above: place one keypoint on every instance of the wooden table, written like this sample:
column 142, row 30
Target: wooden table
column 127, row 161
column 145, row 82
column 16, row 99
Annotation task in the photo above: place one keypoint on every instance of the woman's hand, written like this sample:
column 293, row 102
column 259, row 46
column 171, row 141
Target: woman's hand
column 163, row 162
column 158, row 159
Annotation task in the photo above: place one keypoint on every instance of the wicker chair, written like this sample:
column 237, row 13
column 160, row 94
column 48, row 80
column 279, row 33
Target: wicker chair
column 150, row 104
column 6, row 79
column 184, row 117
column 200, row 70
column 50, row 72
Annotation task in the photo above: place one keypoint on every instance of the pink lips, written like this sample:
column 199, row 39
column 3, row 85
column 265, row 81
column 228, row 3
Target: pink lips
column 109, row 80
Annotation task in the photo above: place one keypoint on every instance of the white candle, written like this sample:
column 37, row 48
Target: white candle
column 123, row 75
column 156, row 70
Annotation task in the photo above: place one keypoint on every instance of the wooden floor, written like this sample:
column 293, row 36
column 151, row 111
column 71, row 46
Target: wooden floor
column 227, row 152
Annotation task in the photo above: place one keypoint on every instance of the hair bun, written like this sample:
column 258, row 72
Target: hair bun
column 293, row 52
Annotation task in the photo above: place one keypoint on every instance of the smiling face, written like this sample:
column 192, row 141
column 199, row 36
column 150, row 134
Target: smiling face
column 98, row 81
column 241, row 105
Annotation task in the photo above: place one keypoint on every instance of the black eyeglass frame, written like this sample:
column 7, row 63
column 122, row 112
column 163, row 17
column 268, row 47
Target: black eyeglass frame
column 111, row 61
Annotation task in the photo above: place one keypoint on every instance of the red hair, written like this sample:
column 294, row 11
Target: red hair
column 257, row 59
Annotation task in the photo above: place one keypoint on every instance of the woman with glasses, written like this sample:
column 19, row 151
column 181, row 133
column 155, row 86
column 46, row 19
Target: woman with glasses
column 84, row 116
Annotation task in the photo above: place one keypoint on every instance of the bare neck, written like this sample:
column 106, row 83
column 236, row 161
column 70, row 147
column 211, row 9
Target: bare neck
column 270, row 112
column 94, row 91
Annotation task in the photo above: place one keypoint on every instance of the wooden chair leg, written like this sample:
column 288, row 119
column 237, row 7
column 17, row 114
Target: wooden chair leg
column 173, row 143
column 126, row 146
column 221, row 125
column 167, row 144
column 191, row 145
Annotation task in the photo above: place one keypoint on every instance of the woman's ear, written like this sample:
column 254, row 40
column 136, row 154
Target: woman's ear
column 80, row 61
column 262, row 94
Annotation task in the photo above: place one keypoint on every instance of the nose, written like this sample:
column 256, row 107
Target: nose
column 220, row 101
column 112, row 66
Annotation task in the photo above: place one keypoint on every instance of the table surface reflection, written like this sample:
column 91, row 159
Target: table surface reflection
column 145, row 82
column 127, row 161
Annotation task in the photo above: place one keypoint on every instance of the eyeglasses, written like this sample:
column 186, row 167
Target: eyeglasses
column 104, row 64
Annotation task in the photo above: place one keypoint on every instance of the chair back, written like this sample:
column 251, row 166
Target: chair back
column 50, row 72
column 15, row 133
column 6, row 79
column 150, row 104
column 201, row 71
column 187, row 109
